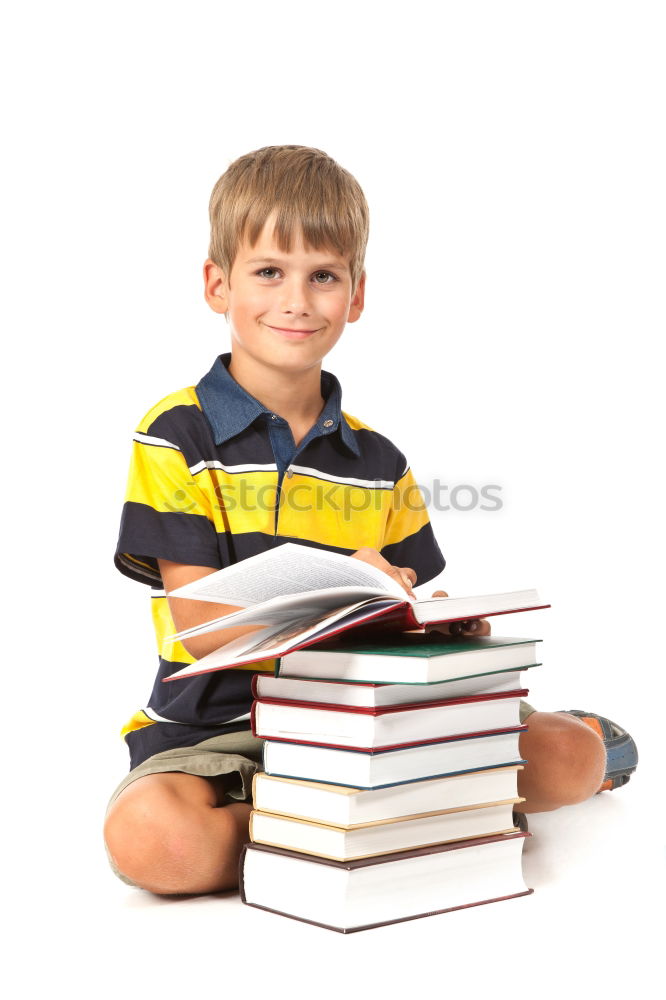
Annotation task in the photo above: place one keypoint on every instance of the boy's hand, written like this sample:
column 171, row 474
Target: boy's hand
column 403, row 575
column 470, row 629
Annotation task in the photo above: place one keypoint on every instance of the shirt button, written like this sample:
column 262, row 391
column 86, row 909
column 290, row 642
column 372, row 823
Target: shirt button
column 328, row 423
column 290, row 473
column 273, row 416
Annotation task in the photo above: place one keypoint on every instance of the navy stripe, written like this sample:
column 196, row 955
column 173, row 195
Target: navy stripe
column 420, row 552
column 143, row 743
column 183, row 538
column 188, row 428
column 209, row 699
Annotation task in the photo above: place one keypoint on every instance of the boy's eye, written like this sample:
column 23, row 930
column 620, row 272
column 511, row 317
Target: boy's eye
column 320, row 277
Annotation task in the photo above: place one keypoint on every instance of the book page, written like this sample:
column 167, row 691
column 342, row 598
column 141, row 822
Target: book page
column 278, row 639
column 283, row 610
column 287, row 569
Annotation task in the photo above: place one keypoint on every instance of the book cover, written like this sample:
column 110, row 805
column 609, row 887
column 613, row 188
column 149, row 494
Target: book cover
column 295, row 889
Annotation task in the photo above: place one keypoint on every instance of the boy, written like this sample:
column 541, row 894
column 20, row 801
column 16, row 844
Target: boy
column 236, row 465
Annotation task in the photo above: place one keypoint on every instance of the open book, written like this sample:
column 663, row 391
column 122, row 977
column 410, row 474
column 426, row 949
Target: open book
column 299, row 596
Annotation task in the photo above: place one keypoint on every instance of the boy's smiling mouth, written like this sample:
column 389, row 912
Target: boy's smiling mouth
column 291, row 334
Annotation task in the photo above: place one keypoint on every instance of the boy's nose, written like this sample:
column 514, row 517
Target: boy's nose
column 295, row 298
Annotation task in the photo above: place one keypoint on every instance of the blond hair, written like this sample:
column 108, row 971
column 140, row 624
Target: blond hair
column 308, row 192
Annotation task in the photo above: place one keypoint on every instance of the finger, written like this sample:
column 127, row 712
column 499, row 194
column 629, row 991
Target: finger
column 474, row 627
column 409, row 573
column 440, row 593
column 396, row 574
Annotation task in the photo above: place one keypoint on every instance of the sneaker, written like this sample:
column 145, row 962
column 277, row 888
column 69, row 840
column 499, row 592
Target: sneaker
column 621, row 751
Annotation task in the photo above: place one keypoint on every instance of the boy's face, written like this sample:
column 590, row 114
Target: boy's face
column 286, row 310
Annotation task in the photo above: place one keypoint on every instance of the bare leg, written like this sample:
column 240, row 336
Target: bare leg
column 170, row 834
column 566, row 762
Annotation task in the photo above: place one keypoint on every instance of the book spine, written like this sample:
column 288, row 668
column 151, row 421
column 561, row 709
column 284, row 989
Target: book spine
column 397, row 618
column 391, row 746
column 241, row 881
column 391, row 709
column 385, row 923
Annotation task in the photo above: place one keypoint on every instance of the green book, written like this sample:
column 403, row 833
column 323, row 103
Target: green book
column 413, row 658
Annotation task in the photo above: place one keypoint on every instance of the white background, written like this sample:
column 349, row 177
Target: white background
column 513, row 157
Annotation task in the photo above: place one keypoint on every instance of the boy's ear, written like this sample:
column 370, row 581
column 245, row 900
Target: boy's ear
column 358, row 300
column 215, row 287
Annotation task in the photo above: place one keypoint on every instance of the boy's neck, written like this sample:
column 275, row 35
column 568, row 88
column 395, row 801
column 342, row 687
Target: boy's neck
column 294, row 396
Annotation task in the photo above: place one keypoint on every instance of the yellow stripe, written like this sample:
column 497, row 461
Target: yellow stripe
column 182, row 397
column 335, row 514
column 164, row 482
column 240, row 502
column 408, row 512
column 137, row 562
column 356, row 424
column 138, row 721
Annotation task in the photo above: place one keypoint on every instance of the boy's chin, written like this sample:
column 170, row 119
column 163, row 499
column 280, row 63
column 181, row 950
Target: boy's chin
column 286, row 355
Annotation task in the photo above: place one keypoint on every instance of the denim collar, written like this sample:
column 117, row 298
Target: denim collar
column 230, row 409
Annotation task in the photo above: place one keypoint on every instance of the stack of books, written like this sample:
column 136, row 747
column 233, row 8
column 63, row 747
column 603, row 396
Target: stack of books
column 390, row 780
column 390, row 765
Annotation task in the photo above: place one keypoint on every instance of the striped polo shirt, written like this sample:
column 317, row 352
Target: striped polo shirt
column 214, row 478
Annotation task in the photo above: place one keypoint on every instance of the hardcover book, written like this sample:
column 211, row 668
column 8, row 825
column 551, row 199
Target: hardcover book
column 377, row 769
column 298, row 596
column 370, row 839
column 388, row 727
column 351, row 896
column 338, row 805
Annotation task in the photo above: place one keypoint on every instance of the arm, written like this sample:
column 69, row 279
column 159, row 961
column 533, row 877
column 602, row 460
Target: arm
column 186, row 613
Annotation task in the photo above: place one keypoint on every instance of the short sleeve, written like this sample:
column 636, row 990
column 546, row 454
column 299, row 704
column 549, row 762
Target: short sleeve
column 165, row 514
column 409, row 539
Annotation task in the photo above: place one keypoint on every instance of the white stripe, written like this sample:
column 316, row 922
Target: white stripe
column 194, row 469
column 239, row 718
column 159, row 442
column 152, row 714
column 158, row 593
column 406, row 471
column 159, row 718
column 370, row 484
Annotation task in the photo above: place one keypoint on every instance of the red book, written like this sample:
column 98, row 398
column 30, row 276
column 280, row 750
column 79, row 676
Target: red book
column 364, row 729
column 298, row 621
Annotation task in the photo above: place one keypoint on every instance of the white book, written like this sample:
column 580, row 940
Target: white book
column 356, row 895
column 390, row 727
column 380, row 769
column 298, row 595
column 359, row 694
column 403, row 834
column 337, row 805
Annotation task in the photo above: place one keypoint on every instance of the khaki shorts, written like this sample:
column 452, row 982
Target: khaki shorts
column 229, row 753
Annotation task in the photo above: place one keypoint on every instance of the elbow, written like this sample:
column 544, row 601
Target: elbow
column 194, row 648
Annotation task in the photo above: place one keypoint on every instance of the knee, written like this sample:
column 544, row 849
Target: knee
column 149, row 837
column 571, row 758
